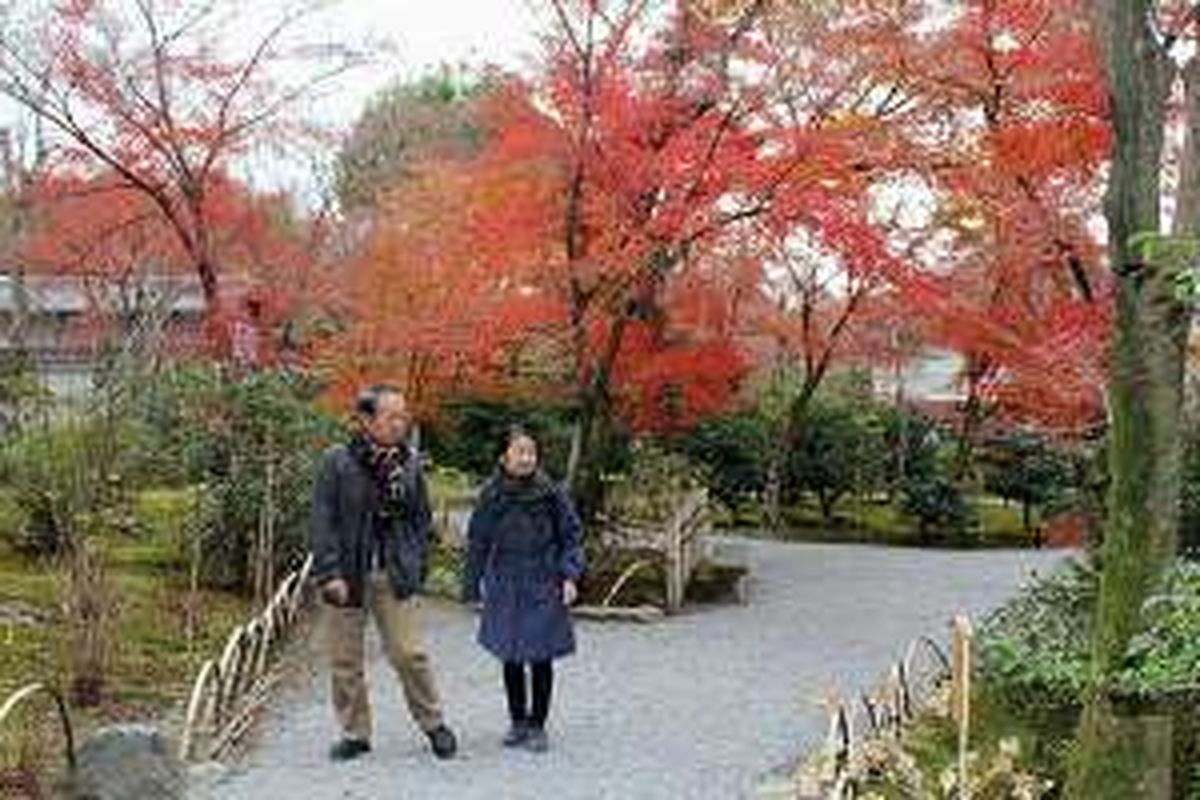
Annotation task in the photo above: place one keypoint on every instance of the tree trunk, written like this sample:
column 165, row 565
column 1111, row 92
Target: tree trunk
column 594, row 426
column 200, row 247
column 587, row 446
column 902, row 451
column 789, row 440
column 589, row 441
column 972, row 420
column 772, row 511
column 827, row 500
column 1118, row 755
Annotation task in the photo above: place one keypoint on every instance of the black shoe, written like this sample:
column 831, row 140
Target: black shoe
column 442, row 740
column 517, row 733
column 348, row 749
column 536, row 740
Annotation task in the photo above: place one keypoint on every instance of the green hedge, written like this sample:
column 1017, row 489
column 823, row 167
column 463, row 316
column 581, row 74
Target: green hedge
column 1037, row 645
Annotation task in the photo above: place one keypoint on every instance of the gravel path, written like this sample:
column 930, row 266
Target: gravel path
column 698, row 706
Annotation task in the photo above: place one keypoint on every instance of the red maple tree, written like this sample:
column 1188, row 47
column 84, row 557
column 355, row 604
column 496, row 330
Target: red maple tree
column 108, row 241
column 1006, row 144
column 153, row 95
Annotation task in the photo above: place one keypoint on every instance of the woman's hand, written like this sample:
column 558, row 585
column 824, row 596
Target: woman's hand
column 570, row 593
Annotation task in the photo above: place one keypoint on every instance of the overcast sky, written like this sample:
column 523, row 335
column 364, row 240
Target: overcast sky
column 421, row 34
column 426, row 33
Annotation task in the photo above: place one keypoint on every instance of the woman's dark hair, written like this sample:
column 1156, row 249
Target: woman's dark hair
column 518, row 431
column 367, row 402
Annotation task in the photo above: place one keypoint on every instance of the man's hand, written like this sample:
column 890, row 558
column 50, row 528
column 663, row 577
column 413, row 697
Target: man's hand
column 336, row 592
column 570, row 592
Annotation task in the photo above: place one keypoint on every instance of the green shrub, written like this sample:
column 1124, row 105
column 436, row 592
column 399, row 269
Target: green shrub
column 162, row 513
column 911, row 448
column 444, row 578
column 1027, row 470
column 12, row 517
column 1035, row 656
column 650, row 491
column 449, row 486
column 938, row 506
column 469, row 433
column 67, row 475
column 1038, row 644
column 1165, row 657
column 254, row 441
column 23, row 395
column 840, row 452
column 733, row 452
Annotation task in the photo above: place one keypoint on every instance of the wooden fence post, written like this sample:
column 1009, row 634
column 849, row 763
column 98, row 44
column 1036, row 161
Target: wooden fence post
column 960, row 705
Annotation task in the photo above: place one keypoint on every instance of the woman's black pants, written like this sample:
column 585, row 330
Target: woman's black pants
column 541, row 676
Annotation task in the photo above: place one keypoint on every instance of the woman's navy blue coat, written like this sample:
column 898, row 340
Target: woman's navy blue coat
column 523, row 540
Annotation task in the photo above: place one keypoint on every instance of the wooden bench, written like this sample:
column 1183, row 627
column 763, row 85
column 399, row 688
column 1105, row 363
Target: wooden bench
column 679, row 541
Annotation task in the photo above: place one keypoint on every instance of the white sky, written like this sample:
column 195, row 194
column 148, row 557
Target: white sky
column 425, row 33
column 419, row 34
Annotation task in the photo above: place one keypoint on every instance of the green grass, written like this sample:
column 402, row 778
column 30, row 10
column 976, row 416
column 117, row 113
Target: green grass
column 151, row 657
column 1002, row 523
column 877, row 522
column 162, row 513
column 10, row 514
column 151, row 661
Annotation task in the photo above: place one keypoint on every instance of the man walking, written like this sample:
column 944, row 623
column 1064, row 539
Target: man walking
column 370, row 540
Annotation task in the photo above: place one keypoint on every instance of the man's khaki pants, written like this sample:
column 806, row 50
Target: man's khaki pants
column 398, row 623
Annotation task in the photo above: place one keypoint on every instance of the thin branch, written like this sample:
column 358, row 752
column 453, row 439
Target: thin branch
column 289, row 97
column 569, row 29
column 159, row 57
column 253, row 63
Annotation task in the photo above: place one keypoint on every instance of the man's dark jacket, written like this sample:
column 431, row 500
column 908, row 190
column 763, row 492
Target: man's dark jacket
column 345, row 509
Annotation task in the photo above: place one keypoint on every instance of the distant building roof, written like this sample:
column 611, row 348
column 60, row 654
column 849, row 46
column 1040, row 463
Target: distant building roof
column 932, row 376
column 61, row 294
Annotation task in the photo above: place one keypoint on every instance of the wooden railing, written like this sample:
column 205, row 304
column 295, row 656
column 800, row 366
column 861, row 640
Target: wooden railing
column 894, row 703
column 227, row 688
column 27, row 694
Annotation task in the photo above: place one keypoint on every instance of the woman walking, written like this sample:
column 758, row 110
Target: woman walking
column 524, row 560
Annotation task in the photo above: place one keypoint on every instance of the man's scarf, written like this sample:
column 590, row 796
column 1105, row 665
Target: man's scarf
column 389, row 467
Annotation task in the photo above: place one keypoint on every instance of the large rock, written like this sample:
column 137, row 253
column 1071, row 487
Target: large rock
column 128, row 762
column 204, row 779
